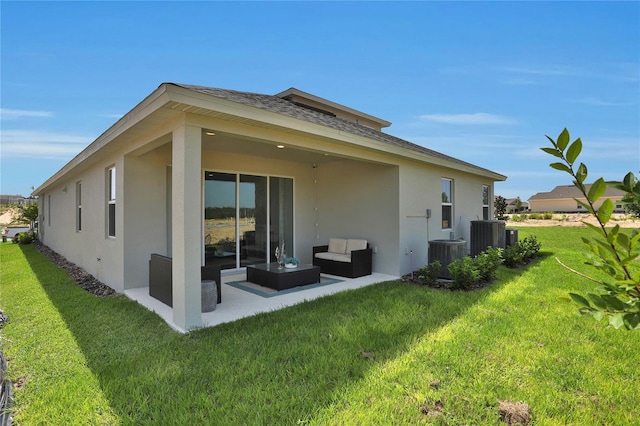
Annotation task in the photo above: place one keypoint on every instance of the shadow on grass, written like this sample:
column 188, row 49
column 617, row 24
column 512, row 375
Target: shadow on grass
column 273, row 368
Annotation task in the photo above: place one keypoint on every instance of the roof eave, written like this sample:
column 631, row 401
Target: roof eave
column 149, row 104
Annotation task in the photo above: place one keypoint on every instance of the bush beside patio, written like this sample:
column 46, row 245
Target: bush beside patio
column 432, row 356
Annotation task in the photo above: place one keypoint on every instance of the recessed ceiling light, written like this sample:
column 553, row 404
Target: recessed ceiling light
column 280, row 146
column 210, row 133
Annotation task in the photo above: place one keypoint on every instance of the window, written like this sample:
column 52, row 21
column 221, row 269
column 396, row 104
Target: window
column 41, row 220
column 447, row 203
column 485, row 202
column 49, row 209
column 78, row 206
column 111, row 202
column 579, row 206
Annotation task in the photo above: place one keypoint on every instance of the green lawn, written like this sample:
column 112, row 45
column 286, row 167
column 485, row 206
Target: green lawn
column 80, row 359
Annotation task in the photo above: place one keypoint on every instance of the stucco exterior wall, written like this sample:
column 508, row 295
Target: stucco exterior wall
column 360, row 200
column 145, row 221
column 89, row 248
column 420, row 189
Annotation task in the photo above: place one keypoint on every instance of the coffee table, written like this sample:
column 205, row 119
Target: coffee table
column 268, row 275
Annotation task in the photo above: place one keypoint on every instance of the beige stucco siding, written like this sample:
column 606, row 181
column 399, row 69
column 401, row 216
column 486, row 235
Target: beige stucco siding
column 420, row 189
column 568, row 205
column 360, row 200
column 145, row 222
column 90, row 247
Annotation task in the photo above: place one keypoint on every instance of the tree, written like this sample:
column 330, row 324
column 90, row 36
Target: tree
column 500, row 206
column 29, row 213
column 518, row 204
column 631, row 203
column 613, row 251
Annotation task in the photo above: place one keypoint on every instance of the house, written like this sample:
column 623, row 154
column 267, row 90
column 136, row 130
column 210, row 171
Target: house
column 207, row 175
column 514, row 205
column 562, row 199
column 13, row 199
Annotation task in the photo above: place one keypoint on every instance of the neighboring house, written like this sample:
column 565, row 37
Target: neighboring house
column 562, row 199
column 13, row 199
column 512, row 205
column 208, row 175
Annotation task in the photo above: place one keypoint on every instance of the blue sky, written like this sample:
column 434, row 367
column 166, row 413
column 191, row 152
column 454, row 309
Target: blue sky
column 480, row 81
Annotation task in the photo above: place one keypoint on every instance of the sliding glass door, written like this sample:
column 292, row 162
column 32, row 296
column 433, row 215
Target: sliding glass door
column 252, row 215
column 220, row 219
column 246, row 217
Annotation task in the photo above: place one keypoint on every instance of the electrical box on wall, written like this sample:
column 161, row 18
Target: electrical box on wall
column 428, row 214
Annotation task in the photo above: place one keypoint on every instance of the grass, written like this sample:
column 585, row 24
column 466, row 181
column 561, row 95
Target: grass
column 86, row 360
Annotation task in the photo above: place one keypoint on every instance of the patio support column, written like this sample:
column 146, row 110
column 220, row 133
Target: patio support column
column 186, row 211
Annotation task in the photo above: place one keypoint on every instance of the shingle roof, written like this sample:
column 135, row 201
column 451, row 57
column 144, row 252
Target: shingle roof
column 282, row 106
column 513, row 201
column 570, row 191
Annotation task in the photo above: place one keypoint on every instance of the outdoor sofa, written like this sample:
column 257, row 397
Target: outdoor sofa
column 349, row 258
column 160, row 281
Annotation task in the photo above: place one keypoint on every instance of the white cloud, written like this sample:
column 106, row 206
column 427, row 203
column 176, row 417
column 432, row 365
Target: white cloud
column 16, row 114
column 541, row 70
column 601, row 102
column 480, row 118
column 521, row 82
column 35, row 144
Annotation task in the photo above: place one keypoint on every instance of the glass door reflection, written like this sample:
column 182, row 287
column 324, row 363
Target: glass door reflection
column 220, row 219
column 245, row 218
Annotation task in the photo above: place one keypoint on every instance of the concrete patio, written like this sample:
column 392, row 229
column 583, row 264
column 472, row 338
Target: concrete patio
column 238, row 303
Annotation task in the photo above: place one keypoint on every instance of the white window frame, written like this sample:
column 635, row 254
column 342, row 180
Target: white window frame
column 448, row 203
column 111, row 202
column 78, row 206
column 485, row 202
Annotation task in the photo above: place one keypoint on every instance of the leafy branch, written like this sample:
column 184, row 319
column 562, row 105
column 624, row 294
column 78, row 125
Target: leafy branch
column 613, row 251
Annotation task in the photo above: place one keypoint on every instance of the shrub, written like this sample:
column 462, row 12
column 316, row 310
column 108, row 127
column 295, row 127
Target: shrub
column 488, row 262
column 467, row 271
column 521, row 252
column 24, row 237
column 512, row 256
column 547, row 216
column 518, row 217
column 429, row 273
column 530, row 247
column 464, row 273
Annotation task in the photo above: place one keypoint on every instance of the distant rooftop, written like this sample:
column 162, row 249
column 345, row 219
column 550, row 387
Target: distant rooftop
column 570, row 191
